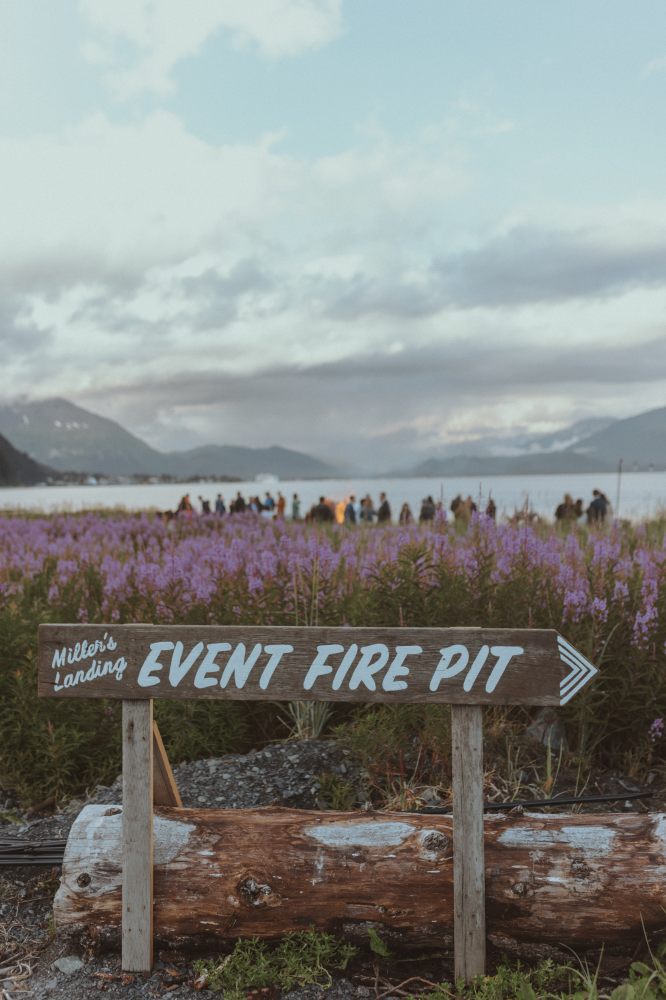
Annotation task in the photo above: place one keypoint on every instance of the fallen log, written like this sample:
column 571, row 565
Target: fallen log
column 225, row 873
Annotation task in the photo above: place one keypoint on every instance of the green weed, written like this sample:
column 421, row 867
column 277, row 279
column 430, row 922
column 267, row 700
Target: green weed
column 302, row 958
column 336, row 793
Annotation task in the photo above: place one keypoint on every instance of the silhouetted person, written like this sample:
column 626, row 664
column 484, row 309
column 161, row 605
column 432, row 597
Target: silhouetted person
column 295, row 507
column 367, row 509
column 405, row 516
column 350, row 510
column 185, row 506
column 427, row 512
column 239, row 505
column 322, row 512
column 491, row 509
column 566, row 511
column 384, row 511
column 598, row 509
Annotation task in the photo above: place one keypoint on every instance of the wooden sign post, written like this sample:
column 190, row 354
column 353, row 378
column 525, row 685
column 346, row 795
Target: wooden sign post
column 465, row 667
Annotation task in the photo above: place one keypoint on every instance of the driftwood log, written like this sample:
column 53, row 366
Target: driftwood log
column 223, row 874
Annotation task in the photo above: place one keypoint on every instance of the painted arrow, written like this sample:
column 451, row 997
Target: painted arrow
column 581, row 671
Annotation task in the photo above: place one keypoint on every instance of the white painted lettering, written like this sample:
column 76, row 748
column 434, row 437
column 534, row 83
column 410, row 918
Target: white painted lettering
column 397, row 668
column 347, row 661
column 476, row 667
column 238, row 666
column 504, row 655
column 151, row 664
column 59, row 658
column 447, row 667
column 204, row 675
column 276, row 651
column 179, row 666
column 373, row 659
column 319, row 667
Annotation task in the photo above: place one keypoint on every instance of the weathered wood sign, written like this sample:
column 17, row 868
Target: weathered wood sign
column 472, row 666
column 466, row 667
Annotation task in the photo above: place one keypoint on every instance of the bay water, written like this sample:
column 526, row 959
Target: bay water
column 641, row 494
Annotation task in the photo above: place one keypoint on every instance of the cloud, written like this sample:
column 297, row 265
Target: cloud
column 528, row 265
column 654, row 68
column 371, row 408
column 217, row 291
column 111, row 201
column 138, row 43
column 19, row 337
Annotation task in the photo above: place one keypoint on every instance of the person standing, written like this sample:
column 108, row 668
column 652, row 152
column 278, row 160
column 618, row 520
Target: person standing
column 367, row 509
column 427, row 512
column 384, row 510
column 598, row 509
column 323, row 512
column 406, row 516
column 295, row 507
column 350, row 510
column 281, row 505
column 220, row 508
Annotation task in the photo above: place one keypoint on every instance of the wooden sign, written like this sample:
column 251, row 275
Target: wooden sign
column 464, row 666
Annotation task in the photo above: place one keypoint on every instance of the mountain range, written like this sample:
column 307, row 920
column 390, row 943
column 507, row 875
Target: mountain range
column 68, row 438
column 18, row 469
column 596, row 445
column 54, row 434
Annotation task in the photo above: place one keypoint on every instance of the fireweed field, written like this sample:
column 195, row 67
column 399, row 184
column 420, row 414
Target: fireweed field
column 605, row 591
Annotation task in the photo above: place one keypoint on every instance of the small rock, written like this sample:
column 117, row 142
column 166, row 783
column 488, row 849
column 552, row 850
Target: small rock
column 49, row 986
column 68, row 965
column 430, row 796
column 547, row 728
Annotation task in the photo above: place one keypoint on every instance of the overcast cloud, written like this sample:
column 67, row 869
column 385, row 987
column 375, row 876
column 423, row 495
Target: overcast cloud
column 322, row 269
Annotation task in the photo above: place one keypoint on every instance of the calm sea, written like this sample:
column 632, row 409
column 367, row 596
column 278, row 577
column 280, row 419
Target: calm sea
column 642, row 494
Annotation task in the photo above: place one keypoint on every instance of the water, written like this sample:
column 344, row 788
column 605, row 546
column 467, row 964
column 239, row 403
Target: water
column 643, row 494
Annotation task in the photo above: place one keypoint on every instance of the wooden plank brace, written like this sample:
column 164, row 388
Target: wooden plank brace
column 165, row 789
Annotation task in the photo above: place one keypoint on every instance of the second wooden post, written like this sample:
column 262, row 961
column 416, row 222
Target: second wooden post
column 137, row 918
column 469, row 890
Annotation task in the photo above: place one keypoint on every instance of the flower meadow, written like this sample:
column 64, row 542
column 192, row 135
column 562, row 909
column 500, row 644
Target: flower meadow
column 605, row 591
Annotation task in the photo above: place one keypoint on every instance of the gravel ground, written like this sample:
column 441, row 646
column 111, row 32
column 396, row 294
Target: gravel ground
column 34, row 964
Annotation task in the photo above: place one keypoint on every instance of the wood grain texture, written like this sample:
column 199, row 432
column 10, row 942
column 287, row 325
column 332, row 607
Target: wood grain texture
column 165, row 789
column 469, row 902
column 137, row 837
column 456, row 665
column 223, row 874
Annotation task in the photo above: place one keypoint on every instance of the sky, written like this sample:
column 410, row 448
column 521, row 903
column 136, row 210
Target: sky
column 365, row 229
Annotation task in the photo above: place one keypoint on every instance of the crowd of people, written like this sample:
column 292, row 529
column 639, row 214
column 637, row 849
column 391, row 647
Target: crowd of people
column 363, row 511
column 572, row 510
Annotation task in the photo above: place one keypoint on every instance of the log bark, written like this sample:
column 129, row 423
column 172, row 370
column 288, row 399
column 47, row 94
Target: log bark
column 223, row 874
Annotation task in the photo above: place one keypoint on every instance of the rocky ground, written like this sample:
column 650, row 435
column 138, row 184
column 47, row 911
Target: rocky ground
column 34, row 964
